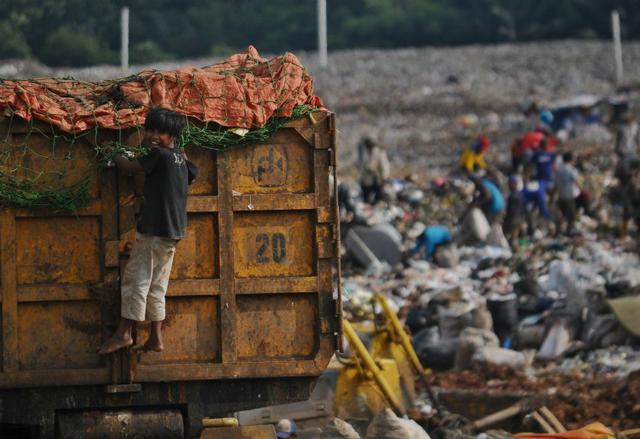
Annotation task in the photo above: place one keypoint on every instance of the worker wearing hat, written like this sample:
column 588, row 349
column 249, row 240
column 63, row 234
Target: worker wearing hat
column 286, row 429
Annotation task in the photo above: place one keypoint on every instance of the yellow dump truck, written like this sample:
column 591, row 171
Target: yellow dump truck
column 253, row 306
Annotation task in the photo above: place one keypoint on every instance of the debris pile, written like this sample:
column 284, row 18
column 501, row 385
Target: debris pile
column 548, row 316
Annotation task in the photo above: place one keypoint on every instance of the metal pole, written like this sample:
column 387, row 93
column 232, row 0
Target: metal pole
column 617, row 47
column 124, row 38
column 322, row 32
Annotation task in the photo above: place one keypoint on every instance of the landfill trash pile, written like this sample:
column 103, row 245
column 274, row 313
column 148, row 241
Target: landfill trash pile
column 551, row 317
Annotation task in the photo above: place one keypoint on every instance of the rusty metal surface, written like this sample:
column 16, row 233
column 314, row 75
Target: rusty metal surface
column 252, row 286
column 242, row 432
column 121, row 424
column 58, row 289
column 38, row 408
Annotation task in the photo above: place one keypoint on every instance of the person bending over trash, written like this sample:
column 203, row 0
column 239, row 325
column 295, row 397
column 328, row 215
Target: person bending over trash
column 431, row 239
column 162, row 223
column 488, row 198
column 473, row 157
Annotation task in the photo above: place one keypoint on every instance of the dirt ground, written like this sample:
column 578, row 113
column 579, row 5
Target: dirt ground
column 575, row 399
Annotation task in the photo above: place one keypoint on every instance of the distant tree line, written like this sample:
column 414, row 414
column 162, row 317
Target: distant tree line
column 85, row 32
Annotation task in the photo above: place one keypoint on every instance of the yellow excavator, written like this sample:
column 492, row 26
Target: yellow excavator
column 381, row 376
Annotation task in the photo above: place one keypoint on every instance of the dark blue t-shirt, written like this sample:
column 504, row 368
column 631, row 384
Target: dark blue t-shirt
column 544, row 161
column 164, row 208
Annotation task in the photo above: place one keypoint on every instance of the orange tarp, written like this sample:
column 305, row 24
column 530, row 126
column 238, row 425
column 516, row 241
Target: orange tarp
column 243, row 91
column 595, row 430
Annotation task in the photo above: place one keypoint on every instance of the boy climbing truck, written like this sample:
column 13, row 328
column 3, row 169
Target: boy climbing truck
column 162, row 223
column 238, row 305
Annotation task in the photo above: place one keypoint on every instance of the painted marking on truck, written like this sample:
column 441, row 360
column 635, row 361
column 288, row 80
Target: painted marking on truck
column 278, row 248
column 270, row 166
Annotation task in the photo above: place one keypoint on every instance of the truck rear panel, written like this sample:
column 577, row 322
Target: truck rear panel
column 253, row 291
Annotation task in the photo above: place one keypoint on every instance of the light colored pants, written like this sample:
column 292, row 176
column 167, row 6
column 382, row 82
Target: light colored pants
column 146, row 278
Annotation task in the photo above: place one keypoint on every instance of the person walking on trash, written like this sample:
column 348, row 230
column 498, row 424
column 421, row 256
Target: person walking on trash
column 568, row 190
column 374, row 171
column 161, row 225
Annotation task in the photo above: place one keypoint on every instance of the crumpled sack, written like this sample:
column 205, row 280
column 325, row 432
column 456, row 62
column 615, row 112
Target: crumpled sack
column 475, row 227
column 339, row 429
column 472, row 339
column 386, row 425
column 500, row 357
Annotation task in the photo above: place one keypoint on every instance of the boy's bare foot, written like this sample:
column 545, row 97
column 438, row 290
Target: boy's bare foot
column 115, row 343
column 150, row 345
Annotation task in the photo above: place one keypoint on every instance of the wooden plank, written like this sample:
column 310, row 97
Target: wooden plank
column 274, row 202
column 193, row 287
column 196, row 203
column 54, row 292
column 240, row 432
column 325, row 241
column 94, row 208
column 111, row 253
column 65, row 292
column 321, row 175
column 210, row 371
column 9, row 294
column 266, row 285
column 111, row 265
column 225, row 222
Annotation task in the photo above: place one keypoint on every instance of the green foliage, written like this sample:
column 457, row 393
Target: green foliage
column 67, row 47
column 163, row 29
column 146, row 52
column 222, row 50
column 13, row 44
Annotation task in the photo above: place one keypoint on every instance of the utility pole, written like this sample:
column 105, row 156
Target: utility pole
column 124, row 38
column 617, row 47
column 322, row 33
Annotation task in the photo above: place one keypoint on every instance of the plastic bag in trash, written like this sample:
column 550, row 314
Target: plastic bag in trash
column 472, row 339
column 386, row 425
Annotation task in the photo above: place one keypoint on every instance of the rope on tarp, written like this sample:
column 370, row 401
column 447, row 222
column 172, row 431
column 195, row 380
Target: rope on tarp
column 23, row 184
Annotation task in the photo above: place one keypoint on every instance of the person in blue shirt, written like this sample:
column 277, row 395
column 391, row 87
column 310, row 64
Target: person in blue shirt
column 534, row 195
column 431, row 239
column 489, row 198
column 544, row 160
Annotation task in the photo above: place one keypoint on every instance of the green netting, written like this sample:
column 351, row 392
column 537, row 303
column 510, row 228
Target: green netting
column 243, row 99
column 25, row 185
